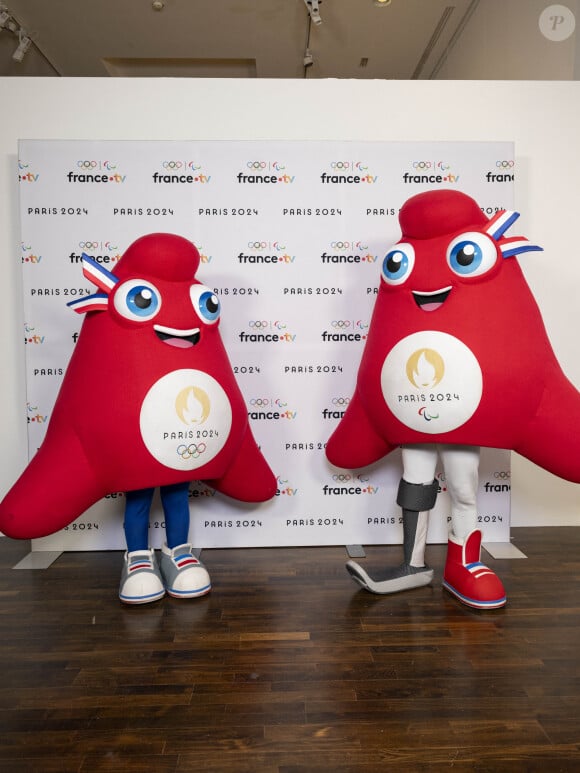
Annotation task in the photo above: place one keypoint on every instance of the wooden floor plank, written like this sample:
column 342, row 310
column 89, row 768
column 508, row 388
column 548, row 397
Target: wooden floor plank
column 287, row 667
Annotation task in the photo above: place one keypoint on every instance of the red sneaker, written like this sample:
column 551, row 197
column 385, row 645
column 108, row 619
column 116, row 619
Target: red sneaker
column 473, row 583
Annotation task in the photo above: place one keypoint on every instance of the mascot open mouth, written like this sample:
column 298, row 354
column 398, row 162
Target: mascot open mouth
column 181, row 339
column 431, row 301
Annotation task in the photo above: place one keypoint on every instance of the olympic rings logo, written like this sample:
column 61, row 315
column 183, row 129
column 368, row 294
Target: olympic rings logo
column 505, row 164
column 265, row 165
column 340, row 245
column 172, row 164
column 343, row 323
column 263, row 402
column 192, row 451
column 345, row 477
column 89, row 245
column 340, row 400
column 87, row 164
column 262, row 324
column 441, row 165
column 503, row 475
column 344, row 165
column 257, row 245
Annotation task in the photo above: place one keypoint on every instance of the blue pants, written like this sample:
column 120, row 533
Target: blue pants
column 175, row 501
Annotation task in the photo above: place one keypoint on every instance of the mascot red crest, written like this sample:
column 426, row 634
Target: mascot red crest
column 457, row 351
column 149, row 397
column 456, row 357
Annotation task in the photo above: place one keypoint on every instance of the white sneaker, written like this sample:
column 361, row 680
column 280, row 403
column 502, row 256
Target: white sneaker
column 184, row 575
column 141, row 581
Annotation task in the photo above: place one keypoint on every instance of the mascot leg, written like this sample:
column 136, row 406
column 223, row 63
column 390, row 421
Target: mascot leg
column 141, row 581
column 470, row 581
column 415, row 499
column 467, row 578
column 184, row 575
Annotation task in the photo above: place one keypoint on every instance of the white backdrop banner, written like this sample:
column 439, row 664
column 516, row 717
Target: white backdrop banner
column 292, row 237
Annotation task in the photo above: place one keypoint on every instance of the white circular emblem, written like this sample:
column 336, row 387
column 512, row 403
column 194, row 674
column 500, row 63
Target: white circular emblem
column 185, row 419
column 557, row 23
column 431, row 382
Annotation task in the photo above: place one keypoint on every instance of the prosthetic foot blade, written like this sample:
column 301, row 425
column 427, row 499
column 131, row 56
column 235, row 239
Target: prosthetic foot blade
column 400, row 578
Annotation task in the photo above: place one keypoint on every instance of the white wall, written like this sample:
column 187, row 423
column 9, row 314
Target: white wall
column 503, row 41
column 543, row 118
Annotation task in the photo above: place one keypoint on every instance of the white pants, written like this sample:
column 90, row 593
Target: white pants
column 461, row 468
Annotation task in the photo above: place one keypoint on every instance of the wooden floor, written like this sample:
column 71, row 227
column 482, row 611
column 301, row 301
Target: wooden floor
column 286, row 667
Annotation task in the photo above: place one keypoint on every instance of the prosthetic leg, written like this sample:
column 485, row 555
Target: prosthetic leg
column 415, row 499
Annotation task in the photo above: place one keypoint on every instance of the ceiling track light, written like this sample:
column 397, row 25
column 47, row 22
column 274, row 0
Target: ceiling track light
column 314, row 10
column 24, row 44
column 8, row 22
column 381, row 3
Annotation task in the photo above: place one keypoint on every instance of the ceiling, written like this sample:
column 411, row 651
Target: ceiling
column 403, row 39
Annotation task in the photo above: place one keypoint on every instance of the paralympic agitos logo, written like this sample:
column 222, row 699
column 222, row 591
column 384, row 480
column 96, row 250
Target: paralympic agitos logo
column 270, row 409
column 347, row 252
column 266, row 331
column 101, row 251
column 425, row 171
column 345, row 330
column 25, row 174
column 348, row 172
column 28, row 255
column 261, row 252
column 95, row 171
column 284, row 489
column 181, row 172
column 349, row 484
column 265, row 172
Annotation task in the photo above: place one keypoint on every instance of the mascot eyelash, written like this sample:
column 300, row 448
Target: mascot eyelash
column 501, row 222
column 100, row 277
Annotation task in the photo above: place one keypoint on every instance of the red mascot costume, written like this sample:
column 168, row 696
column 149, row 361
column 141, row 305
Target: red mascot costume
column 149, row 399
column 457, row 357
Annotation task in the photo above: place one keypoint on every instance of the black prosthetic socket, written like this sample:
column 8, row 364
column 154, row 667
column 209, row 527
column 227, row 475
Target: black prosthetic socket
column 417, row 496
column 414, row 498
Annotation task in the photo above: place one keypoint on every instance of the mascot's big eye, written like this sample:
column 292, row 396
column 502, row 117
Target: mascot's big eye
column 137, row 299
column 205, row 303
column 471, row 254
column 398, row 264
